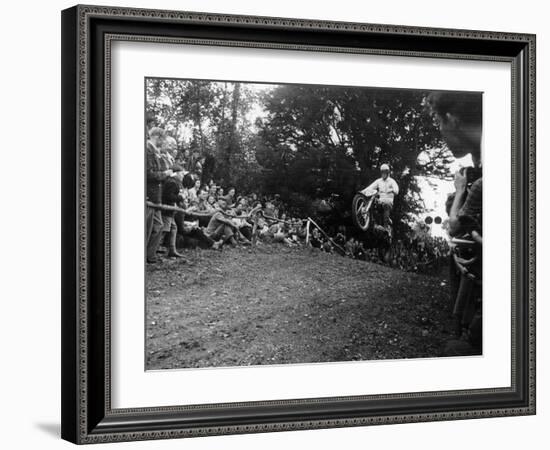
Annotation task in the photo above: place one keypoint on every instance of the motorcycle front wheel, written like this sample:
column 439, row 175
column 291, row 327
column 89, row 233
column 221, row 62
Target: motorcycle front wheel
column 360, row 211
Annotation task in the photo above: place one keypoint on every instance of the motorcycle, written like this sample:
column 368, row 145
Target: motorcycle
column 367, row 216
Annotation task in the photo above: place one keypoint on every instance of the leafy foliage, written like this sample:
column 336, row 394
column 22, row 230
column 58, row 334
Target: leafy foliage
column 324, row 140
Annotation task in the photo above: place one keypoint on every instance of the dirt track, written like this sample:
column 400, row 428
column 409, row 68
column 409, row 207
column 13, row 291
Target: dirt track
column 275, row 305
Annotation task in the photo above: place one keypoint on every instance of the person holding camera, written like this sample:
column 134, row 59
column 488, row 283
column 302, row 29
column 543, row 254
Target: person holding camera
column 459, row 117
column 460, row 120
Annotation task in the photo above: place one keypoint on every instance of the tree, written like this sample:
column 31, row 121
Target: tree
column 321, row 140
column 209, row 119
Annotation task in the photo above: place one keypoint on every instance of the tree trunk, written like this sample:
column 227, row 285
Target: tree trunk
column 198, row 117
column 233, row 138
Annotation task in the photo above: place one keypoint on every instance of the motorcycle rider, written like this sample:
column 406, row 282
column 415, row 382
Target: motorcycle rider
column 386, row 189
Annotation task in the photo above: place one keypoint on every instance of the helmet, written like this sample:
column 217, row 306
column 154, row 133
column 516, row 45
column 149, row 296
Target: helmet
column 384, row 167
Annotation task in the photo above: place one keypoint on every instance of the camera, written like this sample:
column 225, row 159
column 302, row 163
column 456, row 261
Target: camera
column 472, row 174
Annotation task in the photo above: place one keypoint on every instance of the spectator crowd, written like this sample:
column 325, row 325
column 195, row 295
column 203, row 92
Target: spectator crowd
column 198, row 212
column 181, row 205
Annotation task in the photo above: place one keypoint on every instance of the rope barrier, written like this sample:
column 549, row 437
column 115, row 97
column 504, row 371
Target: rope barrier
column 163, row 207
column 255, row 212
column 326, row 235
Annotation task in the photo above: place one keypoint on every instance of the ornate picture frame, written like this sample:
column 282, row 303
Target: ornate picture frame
column 87, row 35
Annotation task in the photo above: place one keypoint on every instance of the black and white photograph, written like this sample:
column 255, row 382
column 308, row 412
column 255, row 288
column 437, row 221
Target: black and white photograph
column 294, row 223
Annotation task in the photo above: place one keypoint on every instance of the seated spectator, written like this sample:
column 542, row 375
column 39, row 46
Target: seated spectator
column 221, row 227
column 360, row 252
column 252, row 199
column 316, row 239
column 212, row 201
column 194, row 191
column 351, row 247
column 279, row 236
column 293, row 231
column 244, row 203
column 340, row 238
column 184, row 194
column 202, row 205
column 231, row 196
column 269, row 209
column 194, row 235
column 244, row 227
column 301, row 229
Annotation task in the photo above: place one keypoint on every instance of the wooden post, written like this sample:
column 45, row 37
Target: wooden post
column 307, row 232
column 255, row 230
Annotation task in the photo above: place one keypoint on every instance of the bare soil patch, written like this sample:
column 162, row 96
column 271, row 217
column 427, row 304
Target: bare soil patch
column 276, row 305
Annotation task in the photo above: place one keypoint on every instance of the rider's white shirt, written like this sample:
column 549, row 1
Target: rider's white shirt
column 386, row 188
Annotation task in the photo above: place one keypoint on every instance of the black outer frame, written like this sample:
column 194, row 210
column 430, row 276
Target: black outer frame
column 87, row 416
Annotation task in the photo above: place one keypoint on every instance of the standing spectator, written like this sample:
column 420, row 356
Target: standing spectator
column 199, row 167
column 167, row 161
column 171, row 196
column 170, row 149
column 156, row 174
column 186, row 158
column 149, row 124
column 193, row 158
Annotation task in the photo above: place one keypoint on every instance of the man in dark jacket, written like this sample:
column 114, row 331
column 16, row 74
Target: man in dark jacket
column 460, row 121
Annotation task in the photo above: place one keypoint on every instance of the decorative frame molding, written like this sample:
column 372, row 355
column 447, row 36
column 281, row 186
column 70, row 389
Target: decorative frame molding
column 88, row 31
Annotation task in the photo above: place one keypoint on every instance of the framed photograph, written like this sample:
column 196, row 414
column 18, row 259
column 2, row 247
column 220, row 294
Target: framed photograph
column 279, row 224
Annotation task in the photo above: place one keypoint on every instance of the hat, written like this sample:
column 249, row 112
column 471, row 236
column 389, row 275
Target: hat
column 384, row 167
column 177, row 168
